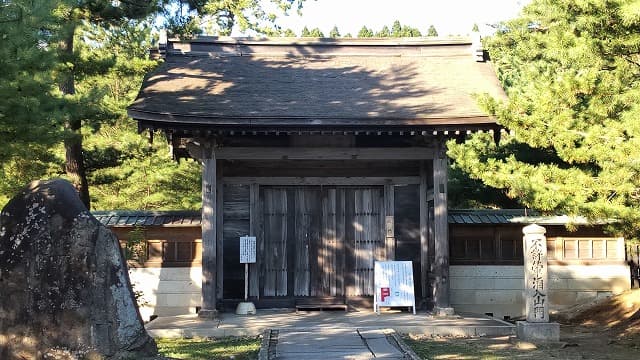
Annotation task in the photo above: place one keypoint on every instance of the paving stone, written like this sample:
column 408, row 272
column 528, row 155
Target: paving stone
column 382, row 347
column 335, row 344
column 373, row 333
column 325, row 357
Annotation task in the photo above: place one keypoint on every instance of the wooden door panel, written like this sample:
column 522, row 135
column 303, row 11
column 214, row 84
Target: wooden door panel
column 275, row 242
column 306, row 238
column 327, row 247
column 367, row 237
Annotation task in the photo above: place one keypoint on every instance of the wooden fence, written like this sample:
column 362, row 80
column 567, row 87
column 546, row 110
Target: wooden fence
column 633, row 259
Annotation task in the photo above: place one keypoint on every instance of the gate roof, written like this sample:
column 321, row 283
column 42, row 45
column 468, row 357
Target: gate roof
column 323, row 84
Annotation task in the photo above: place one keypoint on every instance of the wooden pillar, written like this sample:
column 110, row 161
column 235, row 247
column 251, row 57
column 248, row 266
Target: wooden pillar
column 442, row 305
column 424, row 232
column 219, row 215
column 209, row 234
column 255, row 230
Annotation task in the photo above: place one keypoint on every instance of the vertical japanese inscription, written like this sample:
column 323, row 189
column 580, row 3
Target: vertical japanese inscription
column 535, row 273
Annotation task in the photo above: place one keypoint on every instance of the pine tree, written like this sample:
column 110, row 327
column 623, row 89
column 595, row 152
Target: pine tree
column 396, row 29
column 334, row 33
column 125, row 171
column 246, row 15
column 475, row 28
column 288, row 33
column 316, row 32
column 432, row 31
column 384, row 32
column 365, row 32
column 79, row 108
column 570, row 70
column 28, row 104
column 408, row 31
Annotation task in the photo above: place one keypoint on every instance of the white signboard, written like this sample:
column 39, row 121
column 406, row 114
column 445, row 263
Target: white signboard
column 247, row 249
column 393, row 284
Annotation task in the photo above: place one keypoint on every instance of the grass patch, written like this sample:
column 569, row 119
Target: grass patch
column 445, row 348
column 207, row 349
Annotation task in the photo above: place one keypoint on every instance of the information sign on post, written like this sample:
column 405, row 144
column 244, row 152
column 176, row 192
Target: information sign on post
column 393, row 285
column 247, row 249
column 247, row 256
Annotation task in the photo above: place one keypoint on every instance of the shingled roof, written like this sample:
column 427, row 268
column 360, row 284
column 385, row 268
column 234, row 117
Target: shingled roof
column 510, row 216
column 117, row 218
column 245, row 83
column 127, row 218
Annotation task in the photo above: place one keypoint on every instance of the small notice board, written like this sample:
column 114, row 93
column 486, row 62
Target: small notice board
column 393, row 285
column 247, row 249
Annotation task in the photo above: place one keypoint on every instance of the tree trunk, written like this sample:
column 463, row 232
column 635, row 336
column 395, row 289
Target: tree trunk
column 74, row 156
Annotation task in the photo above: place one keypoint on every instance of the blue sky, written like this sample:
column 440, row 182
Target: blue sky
column 450, row 17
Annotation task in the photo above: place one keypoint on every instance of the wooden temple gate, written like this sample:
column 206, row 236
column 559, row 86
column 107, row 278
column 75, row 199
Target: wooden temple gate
column 319, row 236
column 331, row 153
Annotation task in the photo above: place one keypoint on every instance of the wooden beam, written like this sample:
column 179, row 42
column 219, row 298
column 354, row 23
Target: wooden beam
column 328, row 153
column 441, row 238
column 288, row 180
column 209, row 234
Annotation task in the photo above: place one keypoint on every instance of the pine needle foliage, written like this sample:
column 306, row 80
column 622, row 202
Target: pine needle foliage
column 570, row 70
column 28, row 104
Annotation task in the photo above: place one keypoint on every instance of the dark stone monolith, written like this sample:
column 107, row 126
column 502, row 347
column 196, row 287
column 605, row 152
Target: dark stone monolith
column 64, row 287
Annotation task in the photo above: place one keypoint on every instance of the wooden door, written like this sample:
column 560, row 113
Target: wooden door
column 321, row 241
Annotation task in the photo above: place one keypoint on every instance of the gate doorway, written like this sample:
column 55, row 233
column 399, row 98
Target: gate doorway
column 320, row 241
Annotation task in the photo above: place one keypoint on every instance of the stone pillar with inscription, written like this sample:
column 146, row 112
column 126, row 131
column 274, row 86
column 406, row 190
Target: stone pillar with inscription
column 536, row 288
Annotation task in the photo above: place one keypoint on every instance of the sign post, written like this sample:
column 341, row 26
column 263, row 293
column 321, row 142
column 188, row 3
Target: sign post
column 247, row 256
column 393, row 285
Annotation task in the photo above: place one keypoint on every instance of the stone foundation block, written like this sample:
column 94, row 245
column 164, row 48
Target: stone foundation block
column 443, row 311
column 538, row 332
column 208, row 314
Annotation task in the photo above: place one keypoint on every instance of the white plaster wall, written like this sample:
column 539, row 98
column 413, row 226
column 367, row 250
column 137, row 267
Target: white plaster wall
column 498, row 289
column 167, row 291
column 474, row 288
column 575, row 284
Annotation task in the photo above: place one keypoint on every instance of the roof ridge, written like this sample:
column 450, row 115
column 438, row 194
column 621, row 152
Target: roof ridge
column 306, row 41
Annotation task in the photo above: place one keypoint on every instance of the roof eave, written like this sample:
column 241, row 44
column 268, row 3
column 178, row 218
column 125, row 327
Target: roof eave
column 157, row 120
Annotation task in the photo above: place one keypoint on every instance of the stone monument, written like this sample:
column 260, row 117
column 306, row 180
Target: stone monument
column 65, row 291
column 536, row 286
